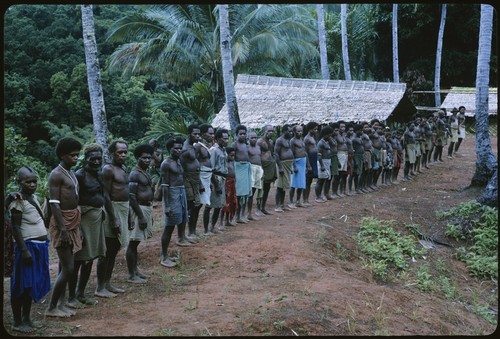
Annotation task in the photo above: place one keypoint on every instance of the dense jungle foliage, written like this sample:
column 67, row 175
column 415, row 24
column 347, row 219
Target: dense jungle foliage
column 45, row 84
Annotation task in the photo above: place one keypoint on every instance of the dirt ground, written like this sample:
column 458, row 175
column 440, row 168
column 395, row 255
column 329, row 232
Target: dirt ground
column 297, row 273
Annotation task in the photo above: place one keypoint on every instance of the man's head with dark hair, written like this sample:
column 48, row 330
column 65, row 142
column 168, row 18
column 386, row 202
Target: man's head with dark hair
column 240, row 127
column 204, row 128
column 112, row 146
column 220, row 132
column 193, row 127
column 67, row 145
column 143, row 148
column 91, row 148
column 325, row 131
column 173, row 140
column 311, row 125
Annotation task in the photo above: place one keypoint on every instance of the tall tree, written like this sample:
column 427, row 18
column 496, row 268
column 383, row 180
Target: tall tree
column 486, row 163
column 439, row 50
column 227, row 67
column 345, row 50
column 395, row 52
column 94, row 80
column 323, row 56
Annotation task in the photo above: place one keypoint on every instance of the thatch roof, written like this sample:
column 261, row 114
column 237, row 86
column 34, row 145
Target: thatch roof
column 277, row 101
column 466, row 96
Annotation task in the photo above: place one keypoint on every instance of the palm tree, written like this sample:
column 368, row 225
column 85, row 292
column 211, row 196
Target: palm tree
column 486, row 163
column 345, row 50
column 437, row 73
column 325, row 73
column 227, row 67
column 94, row 80
column 181, row 43
column 395, row 60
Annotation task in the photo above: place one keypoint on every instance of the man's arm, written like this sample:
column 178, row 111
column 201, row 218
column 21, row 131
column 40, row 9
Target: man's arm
column 107, row 179
column 133, row 186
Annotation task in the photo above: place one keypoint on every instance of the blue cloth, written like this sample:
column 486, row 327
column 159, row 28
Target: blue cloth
column 34, row 277
column 313, row 162
column 243, row 173
column 177, row 201
column 299, row 179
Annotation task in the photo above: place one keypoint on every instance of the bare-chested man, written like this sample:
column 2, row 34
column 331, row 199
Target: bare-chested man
column 300, row 166
column 359, row 150
column 283, row 155
column 141, row 203
column 343, row 157
column 266, row 145
column 312, row 155
column 91, row 202
column 409, row 144
column 324, row 161
column 367, row 175
column 334, row 180
column 203, row 153
column 350, row 159
column 64, row 226
column 115, row 179
column 254, row 155
column 243, row 171
column 376, row 153
column 192, row 182
column 175, row 205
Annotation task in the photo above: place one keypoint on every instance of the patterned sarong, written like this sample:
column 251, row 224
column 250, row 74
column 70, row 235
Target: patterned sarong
column 375, row 158
column 92, row 228
column 243, row 173
column 218, row 200
column 71, row 220
column 298, row 179
column 177, row 201
column 137, row 234
column 231, row 198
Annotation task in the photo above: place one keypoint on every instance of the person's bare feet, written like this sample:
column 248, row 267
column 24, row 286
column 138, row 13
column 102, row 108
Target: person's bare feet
column 104, row 293
column 136, row 280
column 23, row 327
column 74, row 303
column 57, row 312
column 114, row 289
column 167, row 263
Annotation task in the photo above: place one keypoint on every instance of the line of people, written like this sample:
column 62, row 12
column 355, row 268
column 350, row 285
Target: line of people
column 98, row 210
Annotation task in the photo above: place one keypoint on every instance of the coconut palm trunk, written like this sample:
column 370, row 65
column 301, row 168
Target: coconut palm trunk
column 325, row 73
column 345, row 50
column 395, row 57
column 94, row 80
column 227, row 67
column 486, row 163
column 439, row 50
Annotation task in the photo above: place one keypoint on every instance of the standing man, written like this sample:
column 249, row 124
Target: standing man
column 115, row 180
column 30, row 280
column 254, row 155
column 91, row 202
column 284, row 160
column 192, row 182
column 243, row 171
column 343, row 157
column 324, row 161
column 218, row 159
column 312, row 156
column 266, row 145
column 359, row 150
column 64, row 225
column 203, row 153
column 154, row 167
column 461, row 127
column 141, row 203
column 300, row 166
column 175, row 205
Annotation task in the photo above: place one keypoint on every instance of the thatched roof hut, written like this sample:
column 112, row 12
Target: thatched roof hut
column 277, row 101
column 466, row 96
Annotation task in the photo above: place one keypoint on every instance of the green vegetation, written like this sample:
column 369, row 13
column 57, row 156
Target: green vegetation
column 387, row 250
column 477, row 225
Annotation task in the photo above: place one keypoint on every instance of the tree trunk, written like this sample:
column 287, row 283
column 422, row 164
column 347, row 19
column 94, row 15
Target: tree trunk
column 489, row 196
column 94, row 80
column 395, row 57
column 227, row 67
column 486, row 163
column 325, row 73
column 439, row 50
column 345, row 50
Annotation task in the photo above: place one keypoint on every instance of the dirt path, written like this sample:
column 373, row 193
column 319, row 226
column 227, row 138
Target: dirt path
column 297, row 273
